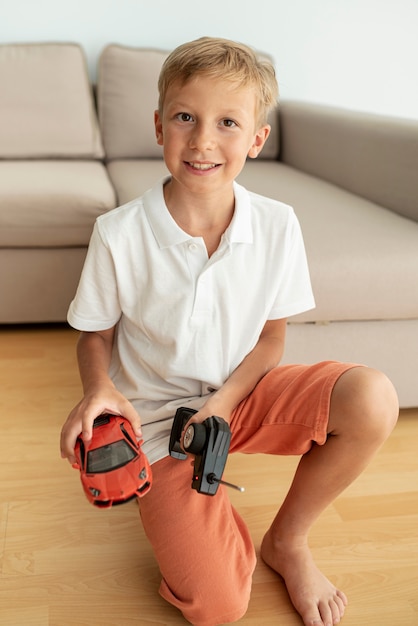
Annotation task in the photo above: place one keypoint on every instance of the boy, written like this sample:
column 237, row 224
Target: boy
column 183, row 301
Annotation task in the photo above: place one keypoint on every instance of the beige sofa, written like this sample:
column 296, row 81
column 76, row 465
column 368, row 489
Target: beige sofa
column 53, row 182
column 351, row 178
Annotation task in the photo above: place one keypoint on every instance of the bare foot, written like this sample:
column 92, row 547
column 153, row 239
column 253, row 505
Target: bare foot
column 314, row 597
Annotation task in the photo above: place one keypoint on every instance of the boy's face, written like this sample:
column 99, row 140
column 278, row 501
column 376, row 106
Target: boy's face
column 208, row 128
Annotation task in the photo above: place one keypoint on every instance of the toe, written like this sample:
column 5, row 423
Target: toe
column 326, row 613
column 341, row 602
column 341, row 597
column 335, row 612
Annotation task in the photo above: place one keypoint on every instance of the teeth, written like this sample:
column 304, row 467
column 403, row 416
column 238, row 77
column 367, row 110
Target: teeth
column 203, row 166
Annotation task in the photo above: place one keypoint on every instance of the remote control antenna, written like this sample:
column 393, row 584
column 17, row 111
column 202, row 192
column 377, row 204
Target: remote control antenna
column 214, row 479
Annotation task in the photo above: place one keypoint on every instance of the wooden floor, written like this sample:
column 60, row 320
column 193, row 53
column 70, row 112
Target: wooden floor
column 65, row 563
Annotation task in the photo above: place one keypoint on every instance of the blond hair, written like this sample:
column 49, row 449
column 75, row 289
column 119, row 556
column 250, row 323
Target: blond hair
column 221, row 58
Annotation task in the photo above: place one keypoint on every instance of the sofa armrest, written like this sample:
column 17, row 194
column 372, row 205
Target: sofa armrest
column 373, row 156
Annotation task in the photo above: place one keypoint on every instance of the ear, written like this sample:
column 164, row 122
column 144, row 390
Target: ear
column 158, row 128
column 260, row 139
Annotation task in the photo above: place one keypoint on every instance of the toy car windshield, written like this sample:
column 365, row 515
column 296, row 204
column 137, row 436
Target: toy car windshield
column 109, row 457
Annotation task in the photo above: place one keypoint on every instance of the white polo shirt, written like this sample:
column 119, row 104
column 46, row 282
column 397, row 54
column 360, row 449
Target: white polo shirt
column 186, row 321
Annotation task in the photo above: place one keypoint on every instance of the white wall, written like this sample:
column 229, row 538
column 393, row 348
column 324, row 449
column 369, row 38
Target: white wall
column 361, row 54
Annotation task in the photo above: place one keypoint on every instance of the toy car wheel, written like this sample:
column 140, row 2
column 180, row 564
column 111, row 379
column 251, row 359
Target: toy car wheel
column 194, row 438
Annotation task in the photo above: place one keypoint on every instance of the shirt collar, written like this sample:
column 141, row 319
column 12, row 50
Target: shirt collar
column 240, row 229
column 168, row 233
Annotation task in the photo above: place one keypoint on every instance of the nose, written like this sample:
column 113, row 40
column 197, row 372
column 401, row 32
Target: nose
column 202, row 137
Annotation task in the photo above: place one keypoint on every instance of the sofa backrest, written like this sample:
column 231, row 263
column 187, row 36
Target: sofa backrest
column 46, row 103
column 127, row 96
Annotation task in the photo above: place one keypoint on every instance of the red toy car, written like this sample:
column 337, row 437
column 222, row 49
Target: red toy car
column 113, row 468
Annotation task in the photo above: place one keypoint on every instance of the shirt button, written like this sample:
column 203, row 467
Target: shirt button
column 193, row 247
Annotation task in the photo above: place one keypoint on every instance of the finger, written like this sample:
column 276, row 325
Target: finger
column 132, row 416
column 67, row 444
column 183, row 432
column 87, row 430
column 73, row 461
column 69, row 433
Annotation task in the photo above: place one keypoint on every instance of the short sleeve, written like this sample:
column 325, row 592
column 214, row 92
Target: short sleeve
column 96, row 304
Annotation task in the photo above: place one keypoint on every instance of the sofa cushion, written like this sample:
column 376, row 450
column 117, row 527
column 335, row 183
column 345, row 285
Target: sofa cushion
column 51, row 203
column 131, row 178
column 363, row 257
column 46, row 103
column 127, row 96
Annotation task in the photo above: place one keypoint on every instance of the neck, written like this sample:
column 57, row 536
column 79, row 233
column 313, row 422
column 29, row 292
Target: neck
column 199, row 213
column 205, row 215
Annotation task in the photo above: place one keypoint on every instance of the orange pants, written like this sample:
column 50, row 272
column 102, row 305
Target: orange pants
column 203, row 547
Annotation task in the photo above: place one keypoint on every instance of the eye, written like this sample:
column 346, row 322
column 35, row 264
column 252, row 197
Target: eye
column 184, row 117
column 228, row 123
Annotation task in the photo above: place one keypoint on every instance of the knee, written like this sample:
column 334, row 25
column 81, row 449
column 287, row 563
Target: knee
column 381, row 402
column 368, row 402
column 221, row 611
column 212, row 605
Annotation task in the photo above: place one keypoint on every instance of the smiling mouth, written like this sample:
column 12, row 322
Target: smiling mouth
column 202, row 166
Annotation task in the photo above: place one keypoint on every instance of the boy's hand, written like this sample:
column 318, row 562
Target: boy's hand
column 212, row 407
column 81, row 418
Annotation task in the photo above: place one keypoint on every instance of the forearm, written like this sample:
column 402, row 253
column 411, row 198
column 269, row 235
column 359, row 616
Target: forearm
column 94, row 351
